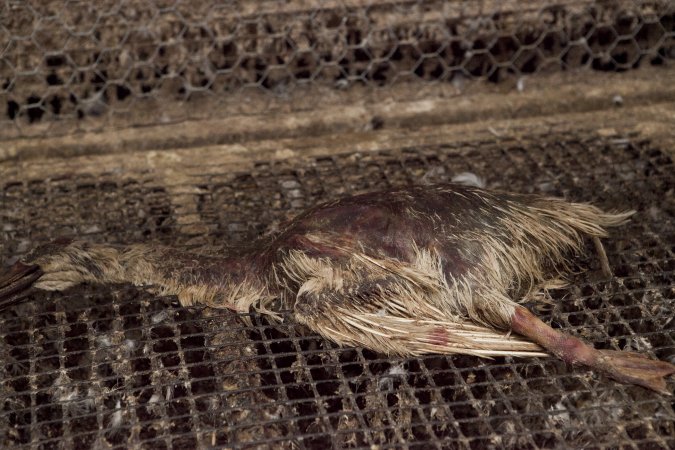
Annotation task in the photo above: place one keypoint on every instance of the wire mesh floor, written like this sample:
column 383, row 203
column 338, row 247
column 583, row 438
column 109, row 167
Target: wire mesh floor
column 97, row 367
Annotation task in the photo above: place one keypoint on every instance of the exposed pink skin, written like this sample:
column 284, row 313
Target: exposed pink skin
column 625, row 367
column 438, row 336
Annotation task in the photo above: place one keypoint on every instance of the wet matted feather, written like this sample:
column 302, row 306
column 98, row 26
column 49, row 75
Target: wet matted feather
column 433, row 269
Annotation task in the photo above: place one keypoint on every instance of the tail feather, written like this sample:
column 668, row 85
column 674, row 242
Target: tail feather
column 581, row 217
column 584, row 219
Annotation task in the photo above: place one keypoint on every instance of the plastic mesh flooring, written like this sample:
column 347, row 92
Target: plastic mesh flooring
column 98, row 367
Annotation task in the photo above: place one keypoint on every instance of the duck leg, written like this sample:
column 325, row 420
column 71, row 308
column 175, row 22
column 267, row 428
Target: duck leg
column 625, row 367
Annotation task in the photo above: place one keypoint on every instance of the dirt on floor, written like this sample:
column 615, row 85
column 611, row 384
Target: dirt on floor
column 116, row 367
column 98, row 366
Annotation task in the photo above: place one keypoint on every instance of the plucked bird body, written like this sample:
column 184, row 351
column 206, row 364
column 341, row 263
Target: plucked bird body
column 433, row 269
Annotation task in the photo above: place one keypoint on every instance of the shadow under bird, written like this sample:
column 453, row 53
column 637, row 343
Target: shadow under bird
column 433, row 269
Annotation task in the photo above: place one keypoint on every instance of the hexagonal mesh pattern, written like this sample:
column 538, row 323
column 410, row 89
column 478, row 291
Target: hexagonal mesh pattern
column 85, row 65
column 115, row 367
column 96, row 366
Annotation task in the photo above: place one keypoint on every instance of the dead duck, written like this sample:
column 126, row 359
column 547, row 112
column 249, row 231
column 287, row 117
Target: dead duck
column 432, row 269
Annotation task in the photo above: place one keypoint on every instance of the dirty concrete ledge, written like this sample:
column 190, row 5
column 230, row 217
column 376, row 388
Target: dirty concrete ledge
column 639, row 96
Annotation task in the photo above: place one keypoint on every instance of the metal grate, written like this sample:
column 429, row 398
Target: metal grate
column 116, row 367
column 95, row 367
column 75, row 66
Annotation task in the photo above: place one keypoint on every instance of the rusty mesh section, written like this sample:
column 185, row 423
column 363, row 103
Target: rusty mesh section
column 95, row 366
column 72, row 65
column 116, row 367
